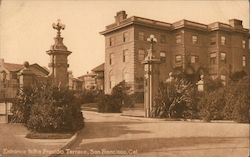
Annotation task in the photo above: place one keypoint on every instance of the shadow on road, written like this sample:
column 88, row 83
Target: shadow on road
column 94, row 130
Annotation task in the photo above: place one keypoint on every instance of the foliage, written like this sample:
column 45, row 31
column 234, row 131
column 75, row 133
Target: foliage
column 109, row 104
column 212, row 104
column 238, row 100
column 229, row 102
column 119, row 98
column 21, row 107
column 174, row 99
column 51, row 109
column 89, row 96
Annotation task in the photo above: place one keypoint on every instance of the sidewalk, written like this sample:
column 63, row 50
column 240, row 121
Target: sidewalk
column 13, row 143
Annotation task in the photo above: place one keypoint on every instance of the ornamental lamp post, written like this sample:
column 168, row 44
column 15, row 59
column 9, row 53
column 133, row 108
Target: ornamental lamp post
column 151, row 77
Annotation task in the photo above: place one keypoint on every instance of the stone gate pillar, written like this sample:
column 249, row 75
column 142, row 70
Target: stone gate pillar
column 26, row 76
column 151, row 78
column 151, row 84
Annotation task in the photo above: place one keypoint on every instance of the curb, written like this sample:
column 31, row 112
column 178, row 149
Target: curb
column 72, row 140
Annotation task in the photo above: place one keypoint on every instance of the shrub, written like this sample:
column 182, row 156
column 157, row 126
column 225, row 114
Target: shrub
column 109, row 104
column 174, row 99
column 21, row 107
column 55, row 110
column 89, row 96
column 119, row 98
column 51, row 109
column 237, row 100
column 211, row 105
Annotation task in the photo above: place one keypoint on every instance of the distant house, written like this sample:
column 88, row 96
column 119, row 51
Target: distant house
column 75, row 83
column 99, row 71
column 10, row 80
column 95, row 79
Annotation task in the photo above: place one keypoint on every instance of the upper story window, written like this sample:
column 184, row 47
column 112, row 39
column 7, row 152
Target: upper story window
column 194, row 39
column 243, row 44
column 213, row 58
column 194, row 59
column 178, row 39
column 163, row 56
column 111, row 41
column 141, row 55
column 222, row 40
column 223, row 56
column 125, row 56
column 141, row 36
column 244, row 61
column 111, row 59
column 162, row 39
column 125, row 37
column 178, row 58
column 213, row 40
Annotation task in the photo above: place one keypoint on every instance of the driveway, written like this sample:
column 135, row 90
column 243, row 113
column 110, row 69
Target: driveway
column 116, row 135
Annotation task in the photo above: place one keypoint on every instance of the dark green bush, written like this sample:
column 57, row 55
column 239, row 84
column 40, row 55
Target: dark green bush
column 89, row 96
column 175, row 100
column 109, row 104
column 51, row 109
column 119, row 98
column 21, row 107
column 212, row 104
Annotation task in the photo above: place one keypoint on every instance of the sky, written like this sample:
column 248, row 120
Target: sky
column 26, row 25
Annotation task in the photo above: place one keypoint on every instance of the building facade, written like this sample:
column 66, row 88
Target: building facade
column 217, row 49
column 11, row 77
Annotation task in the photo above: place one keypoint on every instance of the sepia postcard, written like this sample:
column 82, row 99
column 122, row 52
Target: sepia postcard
column 125, row 78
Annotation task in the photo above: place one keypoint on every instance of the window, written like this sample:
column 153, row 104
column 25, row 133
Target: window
column 243, row 44
column 194, row 39
column 111, row 59
column 178, row 39
column 125, row 56
column 243, row 61
column 162, row 39
column 111, row 41
column 223, row 40
column 141, row 55
column 178, row 59
column 223, row 56
column 163, row 56
column 141, row 36
column 125, row 36
column 213, row 58
column 213, row 40
column 112, row 82
column 194, row 59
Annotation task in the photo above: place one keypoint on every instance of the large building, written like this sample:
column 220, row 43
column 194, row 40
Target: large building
column 217, row 49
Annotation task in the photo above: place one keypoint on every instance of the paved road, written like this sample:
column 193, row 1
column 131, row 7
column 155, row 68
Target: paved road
column 115, row 135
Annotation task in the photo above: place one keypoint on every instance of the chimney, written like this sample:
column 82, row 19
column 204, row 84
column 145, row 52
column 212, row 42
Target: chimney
column 120, row 16
column 235, row 23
